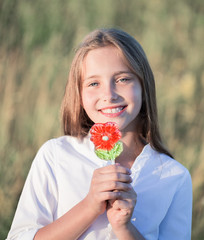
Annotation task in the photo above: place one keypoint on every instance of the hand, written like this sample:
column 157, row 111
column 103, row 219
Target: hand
column 119, row 211
column 109, row 183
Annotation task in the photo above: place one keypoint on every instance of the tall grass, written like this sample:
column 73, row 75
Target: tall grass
column 36, row 46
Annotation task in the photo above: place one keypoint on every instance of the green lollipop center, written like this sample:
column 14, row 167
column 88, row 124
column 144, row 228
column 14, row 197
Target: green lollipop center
column 105, row 138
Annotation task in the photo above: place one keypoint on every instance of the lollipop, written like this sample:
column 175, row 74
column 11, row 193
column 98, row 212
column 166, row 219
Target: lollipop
column 105, row 137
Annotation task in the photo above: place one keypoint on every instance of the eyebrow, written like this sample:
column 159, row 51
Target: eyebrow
column 90, row 77
column 123, row 72
column 115, row 74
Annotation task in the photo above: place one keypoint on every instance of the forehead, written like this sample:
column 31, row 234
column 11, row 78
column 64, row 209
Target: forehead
column 104, row 57
column 104, row 51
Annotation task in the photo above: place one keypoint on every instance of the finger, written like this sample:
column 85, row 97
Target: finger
column 129, row 194
column 111, row 178
column 108, row 196
column 114, row 168
column 111, row 181
column 117, row 176
column 112, row 186
column 123, row 204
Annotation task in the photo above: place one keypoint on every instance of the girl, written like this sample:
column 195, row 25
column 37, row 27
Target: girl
column 72, row 194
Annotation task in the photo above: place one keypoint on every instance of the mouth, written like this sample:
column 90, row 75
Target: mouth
column 113, row 111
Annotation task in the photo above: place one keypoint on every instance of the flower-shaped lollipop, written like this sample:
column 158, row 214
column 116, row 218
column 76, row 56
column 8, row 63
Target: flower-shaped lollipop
column 105, row 137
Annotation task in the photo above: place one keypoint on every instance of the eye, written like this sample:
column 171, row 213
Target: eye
column 123, row 80
column 93, row 84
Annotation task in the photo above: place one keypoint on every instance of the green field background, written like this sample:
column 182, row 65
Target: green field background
column 37, row 41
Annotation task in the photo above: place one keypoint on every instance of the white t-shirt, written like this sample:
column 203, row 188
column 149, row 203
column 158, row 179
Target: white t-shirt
column 60, row 177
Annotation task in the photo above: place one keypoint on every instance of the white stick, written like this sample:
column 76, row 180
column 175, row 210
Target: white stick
column 112, row 161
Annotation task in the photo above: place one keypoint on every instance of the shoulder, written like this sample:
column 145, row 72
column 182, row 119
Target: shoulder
column 66, row 148
column 63, row 143
column 164, row 167
column 172, row 167
column 172, row 170
column 53, row 147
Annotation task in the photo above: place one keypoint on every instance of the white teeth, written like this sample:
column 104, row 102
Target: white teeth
column 112, row 110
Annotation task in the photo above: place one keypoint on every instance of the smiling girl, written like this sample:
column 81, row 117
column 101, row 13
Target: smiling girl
column 72, row 194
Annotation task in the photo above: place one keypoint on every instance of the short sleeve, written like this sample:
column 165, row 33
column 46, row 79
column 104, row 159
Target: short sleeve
column 177, row 222
column 37, row 204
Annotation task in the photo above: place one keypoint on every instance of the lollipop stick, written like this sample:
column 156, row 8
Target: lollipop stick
column 112, row 161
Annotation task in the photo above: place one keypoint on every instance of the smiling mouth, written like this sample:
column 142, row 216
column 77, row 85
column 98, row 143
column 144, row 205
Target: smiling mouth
column 113, row 110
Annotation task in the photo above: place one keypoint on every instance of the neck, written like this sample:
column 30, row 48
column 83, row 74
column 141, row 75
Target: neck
column 132, row 147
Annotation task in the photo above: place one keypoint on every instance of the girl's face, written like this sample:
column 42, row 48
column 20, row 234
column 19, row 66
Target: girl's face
column 110, row 91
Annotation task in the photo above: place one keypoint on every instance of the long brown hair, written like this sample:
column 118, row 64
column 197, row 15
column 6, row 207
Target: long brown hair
column 75, row 120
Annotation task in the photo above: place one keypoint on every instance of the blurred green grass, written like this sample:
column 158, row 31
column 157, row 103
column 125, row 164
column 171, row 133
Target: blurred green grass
column 36, row 46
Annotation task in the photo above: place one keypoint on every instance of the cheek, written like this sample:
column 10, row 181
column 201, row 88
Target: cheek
column 87, row 100
column 136, row 96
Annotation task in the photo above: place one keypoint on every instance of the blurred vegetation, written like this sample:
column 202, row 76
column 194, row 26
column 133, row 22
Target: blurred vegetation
column 36, row 46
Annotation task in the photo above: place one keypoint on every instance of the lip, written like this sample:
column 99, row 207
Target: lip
column 112, row 115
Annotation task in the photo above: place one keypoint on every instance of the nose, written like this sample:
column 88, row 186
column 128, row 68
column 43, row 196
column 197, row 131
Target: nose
column 109, row 93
